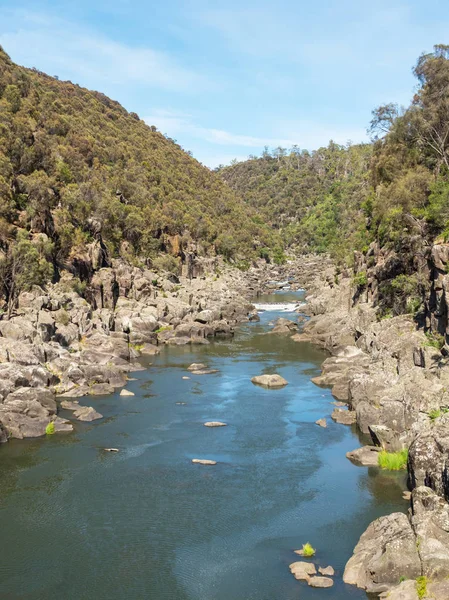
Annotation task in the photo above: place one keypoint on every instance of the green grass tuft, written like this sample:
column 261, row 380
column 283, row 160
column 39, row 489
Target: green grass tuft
column 421, row 587
column 50, row 429
column 393, row 461
column 308, row 550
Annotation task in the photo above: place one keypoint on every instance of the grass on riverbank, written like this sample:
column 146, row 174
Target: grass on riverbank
column 393, row 461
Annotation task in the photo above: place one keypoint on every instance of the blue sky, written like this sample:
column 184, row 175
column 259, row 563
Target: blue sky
column 227, row 78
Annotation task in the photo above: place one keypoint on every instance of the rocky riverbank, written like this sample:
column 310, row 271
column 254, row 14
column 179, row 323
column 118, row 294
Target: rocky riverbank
column 394, row 381
column 60, row 345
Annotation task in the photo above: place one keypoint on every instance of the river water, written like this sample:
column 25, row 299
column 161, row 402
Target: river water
column 78, row 523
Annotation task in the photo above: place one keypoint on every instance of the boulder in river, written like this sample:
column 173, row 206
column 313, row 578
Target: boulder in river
column 366, row 456
column 302, row 570
column 126, row 393
column 270, row 381
column 215, row 424
column 320, row 582
column 87, row 413
column 197, row 367
column 327, row 571
column 321, row 422
column 344, row 417
column 203, row 461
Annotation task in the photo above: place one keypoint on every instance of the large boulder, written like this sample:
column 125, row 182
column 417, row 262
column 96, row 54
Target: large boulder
column 386, row 552
column 430, row 521
column 428, row 462
column 24, row 418
column 44, row 396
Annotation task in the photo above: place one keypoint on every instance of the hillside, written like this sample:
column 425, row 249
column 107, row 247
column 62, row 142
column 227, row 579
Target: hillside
column 342, row 198
column 309, row 197
column 77, row 168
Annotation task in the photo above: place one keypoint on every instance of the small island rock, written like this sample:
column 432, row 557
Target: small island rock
column 270, row 381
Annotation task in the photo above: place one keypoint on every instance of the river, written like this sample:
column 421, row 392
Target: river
column 78, row 523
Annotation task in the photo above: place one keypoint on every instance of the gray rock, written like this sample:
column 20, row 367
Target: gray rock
column 321, row 582
column 203, row 461
column 321, row 423
column 406, row 590
column 429, row 457
column 367, row 456
column 215, row 424
column 70, row 405
column 87, row 413
column 44, row 396
column 344, row 417
column 327, row 571
column 270, row 381
column 302, row 570
column 386, row 552
column 126, row 393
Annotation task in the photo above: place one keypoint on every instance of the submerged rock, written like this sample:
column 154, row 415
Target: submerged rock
column 197, row 367
column 270, row 381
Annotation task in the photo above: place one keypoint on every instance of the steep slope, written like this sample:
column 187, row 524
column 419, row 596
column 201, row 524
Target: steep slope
column 313, row 198
column 76, row 167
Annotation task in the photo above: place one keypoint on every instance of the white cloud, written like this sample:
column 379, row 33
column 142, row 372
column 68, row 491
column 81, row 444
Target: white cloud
column 61, row 47
column 174, row 124
column 306, row 134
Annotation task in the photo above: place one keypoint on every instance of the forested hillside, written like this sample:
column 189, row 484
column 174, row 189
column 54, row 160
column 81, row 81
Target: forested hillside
column 75, row 167
column 310, row 197
column 341, row 198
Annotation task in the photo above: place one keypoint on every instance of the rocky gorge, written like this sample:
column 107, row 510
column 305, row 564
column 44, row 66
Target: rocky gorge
column 58, row 346
column 393, row 376
column 385, row 376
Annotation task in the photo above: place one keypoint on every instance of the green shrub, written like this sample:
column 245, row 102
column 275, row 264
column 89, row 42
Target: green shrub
column 434, row 340
column 393, row 461
column 50, row 429
column 308, row 550
column 165, row 262
column 421, row 587
column 360, row 279
column 438, row 412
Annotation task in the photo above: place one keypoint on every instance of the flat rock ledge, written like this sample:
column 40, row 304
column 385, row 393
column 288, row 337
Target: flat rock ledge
column 344, row 417
column 403, row 546
column 321, row 582
column 215, row 424
column 203, row 461
column 87, row 413
column 302, row 570
column 270, row 381
column 327, row 571
column 366, row 456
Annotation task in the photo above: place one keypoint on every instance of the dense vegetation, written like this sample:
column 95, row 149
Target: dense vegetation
column 341, row 198
column 310, row 197
column 75, row 165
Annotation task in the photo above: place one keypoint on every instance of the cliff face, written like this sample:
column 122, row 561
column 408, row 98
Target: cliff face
column 386, row 325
